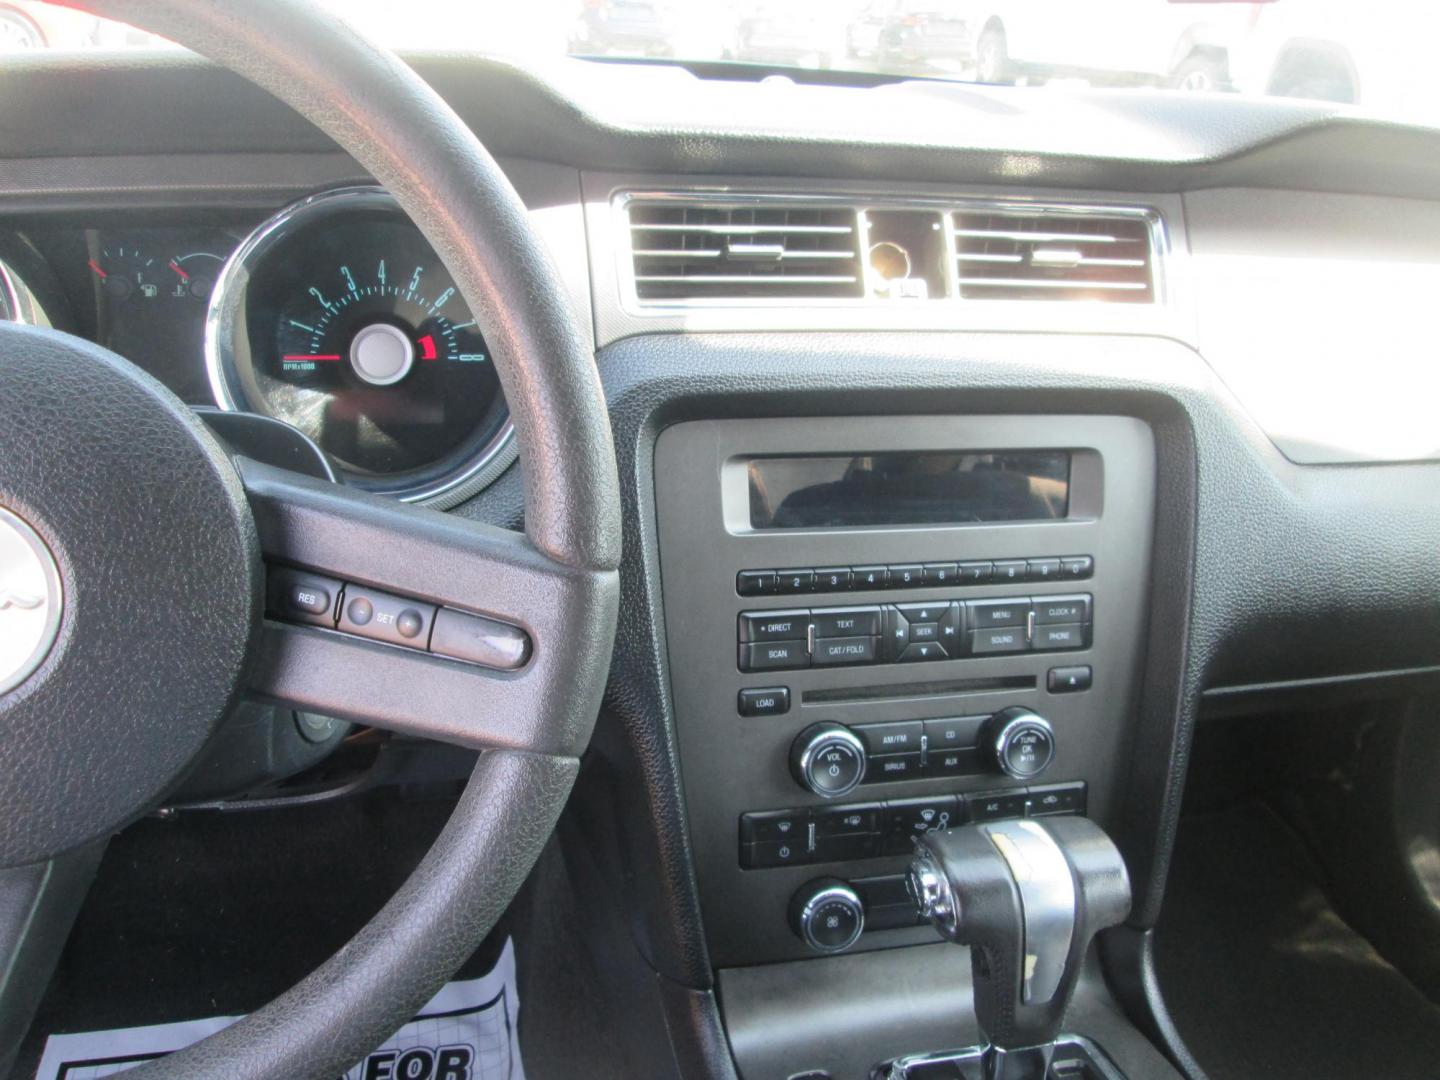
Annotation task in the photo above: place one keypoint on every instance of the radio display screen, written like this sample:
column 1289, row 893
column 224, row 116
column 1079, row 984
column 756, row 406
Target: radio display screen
column 910, row 487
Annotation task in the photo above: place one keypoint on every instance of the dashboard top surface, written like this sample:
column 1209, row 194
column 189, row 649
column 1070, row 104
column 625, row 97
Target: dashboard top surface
column 663, row 118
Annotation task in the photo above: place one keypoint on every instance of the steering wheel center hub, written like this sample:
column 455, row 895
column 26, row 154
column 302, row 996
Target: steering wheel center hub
column 31, row 600
column 129, row 591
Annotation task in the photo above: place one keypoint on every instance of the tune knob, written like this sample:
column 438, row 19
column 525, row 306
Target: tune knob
column 829, row 759
column 828, row 915
column 1020, row 743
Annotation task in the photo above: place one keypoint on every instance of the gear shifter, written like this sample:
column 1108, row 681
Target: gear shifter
column 1027, row 897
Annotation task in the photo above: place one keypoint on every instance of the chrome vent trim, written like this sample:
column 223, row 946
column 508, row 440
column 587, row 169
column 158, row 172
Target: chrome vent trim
column 684, row 249
column 708, row 249
column 1019, row 254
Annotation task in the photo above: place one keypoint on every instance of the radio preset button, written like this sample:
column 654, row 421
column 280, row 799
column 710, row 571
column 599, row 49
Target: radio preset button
column 794, row 581
column 846, row 622
column 774, row 625
column 974, row 573
column 1010, row 571
column 832, row 579
column 870, row 577
column 774, row 656
column 1042, row 569
column 906, row 575
column 1076, row 567
column 755, row 582
column 941, row 573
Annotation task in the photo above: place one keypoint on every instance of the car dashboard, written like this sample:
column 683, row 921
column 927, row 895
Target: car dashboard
column 1153, row 398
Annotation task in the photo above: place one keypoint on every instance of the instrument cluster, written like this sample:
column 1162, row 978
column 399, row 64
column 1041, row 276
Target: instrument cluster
column 334, row 315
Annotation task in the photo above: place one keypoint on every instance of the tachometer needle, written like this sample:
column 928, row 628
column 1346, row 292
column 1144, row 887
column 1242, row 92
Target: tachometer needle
column 96, row 267
column 312, row 356
column 176, row 267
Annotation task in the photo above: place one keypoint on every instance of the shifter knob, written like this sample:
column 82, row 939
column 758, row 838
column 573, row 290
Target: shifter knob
column 1027, row 897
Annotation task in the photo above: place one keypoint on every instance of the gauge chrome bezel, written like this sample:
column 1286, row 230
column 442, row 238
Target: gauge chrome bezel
column 227, row 305
column 10, row 294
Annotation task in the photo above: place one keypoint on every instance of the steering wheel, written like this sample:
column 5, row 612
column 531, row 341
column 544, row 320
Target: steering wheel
column 151, row 544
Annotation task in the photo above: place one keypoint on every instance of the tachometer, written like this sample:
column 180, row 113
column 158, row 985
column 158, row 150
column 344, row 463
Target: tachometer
column 338, row 317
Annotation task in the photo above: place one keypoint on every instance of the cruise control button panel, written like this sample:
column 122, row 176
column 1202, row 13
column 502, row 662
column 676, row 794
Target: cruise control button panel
column 294, row 595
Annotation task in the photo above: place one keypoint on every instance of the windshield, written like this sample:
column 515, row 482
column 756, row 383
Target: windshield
column 1375, row 55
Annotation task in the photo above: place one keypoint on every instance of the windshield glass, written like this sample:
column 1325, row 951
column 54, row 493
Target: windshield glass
column 1374, row 55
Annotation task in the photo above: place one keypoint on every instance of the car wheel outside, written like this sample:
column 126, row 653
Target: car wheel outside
column 992, row 57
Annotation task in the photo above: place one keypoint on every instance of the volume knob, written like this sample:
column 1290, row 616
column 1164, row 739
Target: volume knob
column 828, row 759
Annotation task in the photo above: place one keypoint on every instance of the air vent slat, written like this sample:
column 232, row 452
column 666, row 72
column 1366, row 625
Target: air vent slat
column 685, row 251
column 1049, row 255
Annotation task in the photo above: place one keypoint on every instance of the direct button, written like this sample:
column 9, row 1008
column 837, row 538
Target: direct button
column 383, row 617
column 773, row 625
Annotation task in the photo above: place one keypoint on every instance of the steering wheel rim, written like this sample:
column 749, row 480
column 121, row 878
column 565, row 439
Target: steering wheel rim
column 390, row 121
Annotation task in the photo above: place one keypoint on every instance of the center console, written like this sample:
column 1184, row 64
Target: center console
column 882, row 626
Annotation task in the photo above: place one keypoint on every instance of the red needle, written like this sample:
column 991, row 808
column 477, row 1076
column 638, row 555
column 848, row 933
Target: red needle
column 96, row 267
column 176, row 267
column 312, row 356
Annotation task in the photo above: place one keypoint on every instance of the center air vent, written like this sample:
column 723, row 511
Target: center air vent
column 699, row 251
column 1025, row 255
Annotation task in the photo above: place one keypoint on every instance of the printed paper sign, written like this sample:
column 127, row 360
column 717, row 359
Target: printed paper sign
column 467, row 1032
